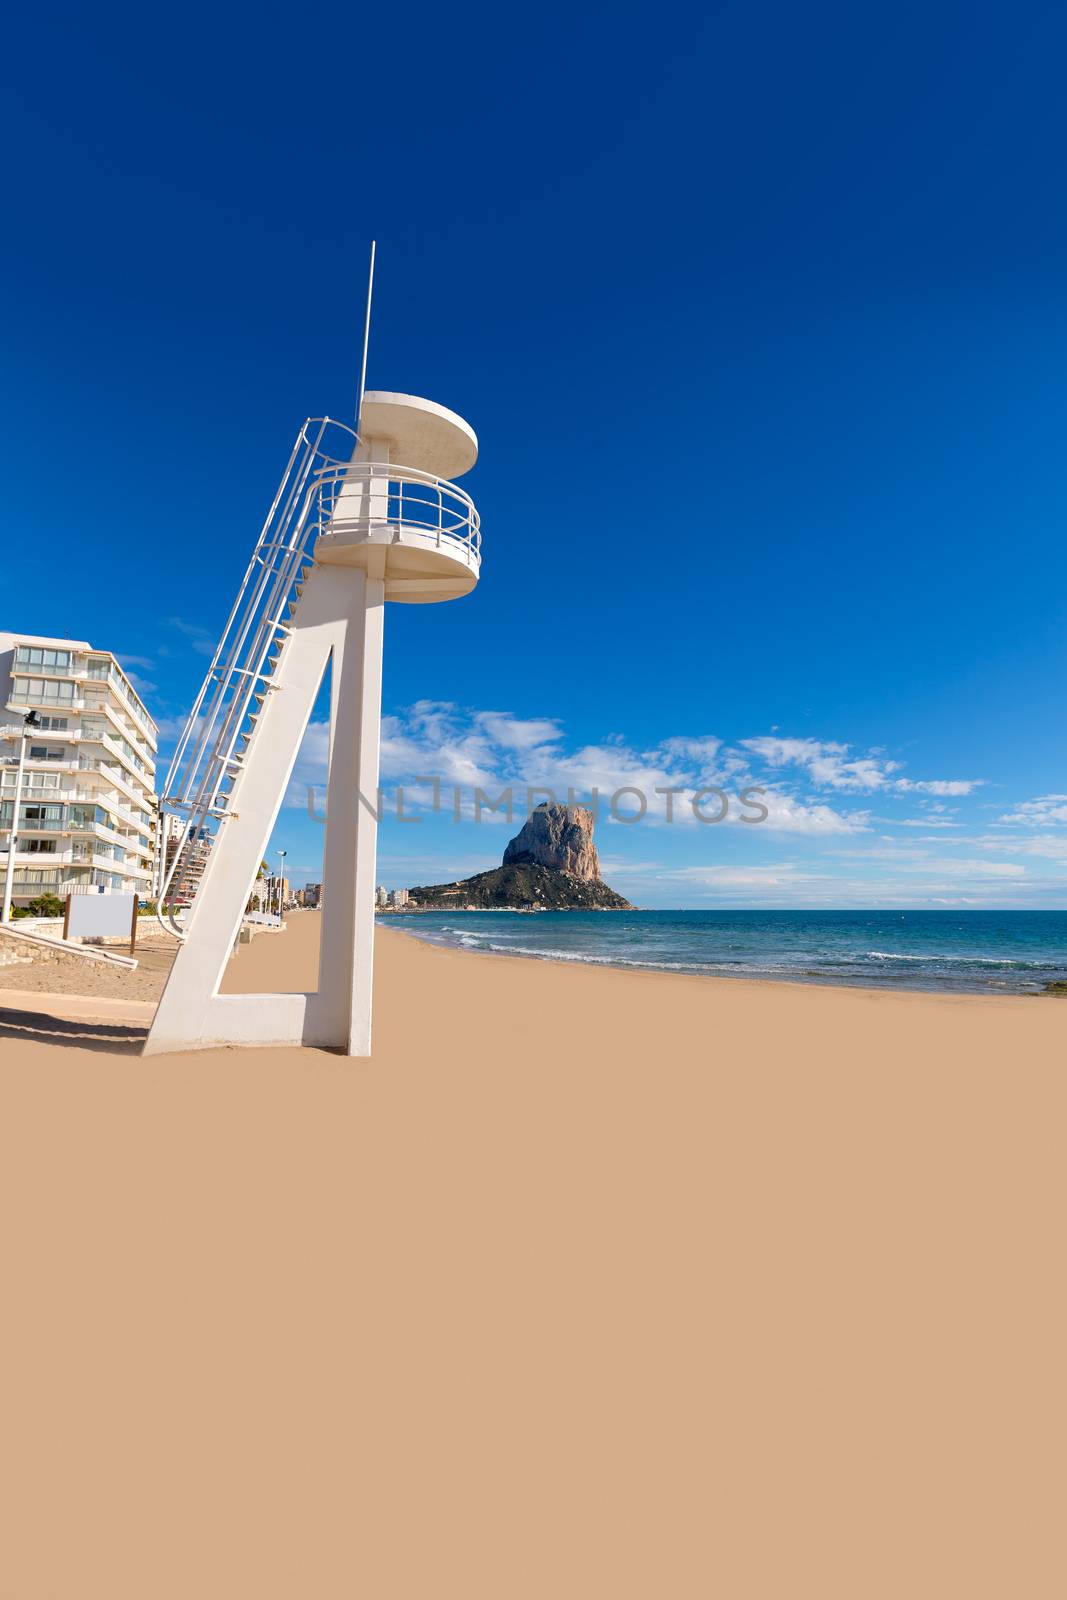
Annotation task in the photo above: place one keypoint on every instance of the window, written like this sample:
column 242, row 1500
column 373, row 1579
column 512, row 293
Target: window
column 48, row 660
column 32, row 818
column 38, row 847
column 30, row 781
column 53, row 724
column 43, row 752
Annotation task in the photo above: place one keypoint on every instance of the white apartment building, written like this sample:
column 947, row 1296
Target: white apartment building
column 88, row 811
column 390, row 899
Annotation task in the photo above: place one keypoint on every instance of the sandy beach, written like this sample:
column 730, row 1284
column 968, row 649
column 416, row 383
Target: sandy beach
column 69, row 974
column 587, row 1283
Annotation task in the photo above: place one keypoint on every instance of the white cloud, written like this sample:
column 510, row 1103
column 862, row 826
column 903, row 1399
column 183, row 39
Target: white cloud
column 787, row 814
column 828, row 765
column 921, row 822
column 992, row 869
column 512, row 733
column 700, row 753
column 1045, row 809
column 778, row 875
column 941, row 786
column 1049, row 846
column 494, row 750
column 825, row 763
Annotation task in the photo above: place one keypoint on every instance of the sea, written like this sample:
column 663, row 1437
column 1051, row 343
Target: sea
column 961, row 952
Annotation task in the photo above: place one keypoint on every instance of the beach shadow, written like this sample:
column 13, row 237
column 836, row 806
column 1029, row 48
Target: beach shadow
column 116, row 1038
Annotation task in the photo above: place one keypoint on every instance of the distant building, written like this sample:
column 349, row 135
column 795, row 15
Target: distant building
column 195, row 846
column 390, row 899
column 88, row 808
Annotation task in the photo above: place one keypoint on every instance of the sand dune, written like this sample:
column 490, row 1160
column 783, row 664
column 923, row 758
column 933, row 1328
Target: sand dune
column 587, row 1284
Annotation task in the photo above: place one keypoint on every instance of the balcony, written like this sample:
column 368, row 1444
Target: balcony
column 119, row 754
column 43, row 669
column 63, row 763
column 139, row 718
column 111, row 775
column 430, row 528
column 35, row 824
column 48, row 860
column 96, row 857
column 112, row 700
column 111, row 803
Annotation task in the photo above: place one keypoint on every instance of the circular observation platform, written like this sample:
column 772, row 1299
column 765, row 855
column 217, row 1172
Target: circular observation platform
column 419, row 432
column 393, row 509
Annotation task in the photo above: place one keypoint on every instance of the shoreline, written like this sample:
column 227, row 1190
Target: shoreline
column 66, row 977
column 891, row 986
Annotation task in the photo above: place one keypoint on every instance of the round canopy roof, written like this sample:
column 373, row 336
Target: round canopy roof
column 420, row 433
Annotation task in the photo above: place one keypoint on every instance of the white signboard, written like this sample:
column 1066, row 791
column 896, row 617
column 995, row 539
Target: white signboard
column 101, row 916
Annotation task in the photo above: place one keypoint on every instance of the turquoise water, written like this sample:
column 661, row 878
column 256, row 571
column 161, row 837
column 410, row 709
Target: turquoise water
column 961, row 951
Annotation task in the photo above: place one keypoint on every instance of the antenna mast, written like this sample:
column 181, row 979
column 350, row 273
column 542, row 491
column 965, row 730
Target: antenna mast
column 366, row 336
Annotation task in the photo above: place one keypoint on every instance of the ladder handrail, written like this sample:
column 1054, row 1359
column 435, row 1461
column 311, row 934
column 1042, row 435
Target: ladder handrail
column 199, row 777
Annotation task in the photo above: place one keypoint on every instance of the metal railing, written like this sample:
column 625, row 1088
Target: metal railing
column 390, row 496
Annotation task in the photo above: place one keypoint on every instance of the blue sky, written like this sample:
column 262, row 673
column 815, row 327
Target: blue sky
column 760, row 315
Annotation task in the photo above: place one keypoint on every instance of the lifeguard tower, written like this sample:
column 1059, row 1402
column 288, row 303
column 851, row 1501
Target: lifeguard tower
column 362, row 516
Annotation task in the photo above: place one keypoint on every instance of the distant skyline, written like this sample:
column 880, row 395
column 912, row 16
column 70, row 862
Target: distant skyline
column 761, row 319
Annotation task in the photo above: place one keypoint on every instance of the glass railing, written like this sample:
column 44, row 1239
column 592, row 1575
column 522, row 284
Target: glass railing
column 34, row 662
column 137, row 711
column 96, row 852
column 40, row 690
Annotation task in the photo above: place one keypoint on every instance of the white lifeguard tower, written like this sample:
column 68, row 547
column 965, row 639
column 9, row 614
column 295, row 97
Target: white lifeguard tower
column 361, row 516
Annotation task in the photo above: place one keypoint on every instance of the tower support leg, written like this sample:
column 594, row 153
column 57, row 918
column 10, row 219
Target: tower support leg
column 340, row 1013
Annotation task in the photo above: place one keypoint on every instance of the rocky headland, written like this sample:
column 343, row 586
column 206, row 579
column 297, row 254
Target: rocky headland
column 550, row 865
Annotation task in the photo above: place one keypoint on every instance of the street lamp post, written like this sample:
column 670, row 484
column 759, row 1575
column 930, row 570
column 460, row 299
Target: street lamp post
column 281, row 881
column 29, row 722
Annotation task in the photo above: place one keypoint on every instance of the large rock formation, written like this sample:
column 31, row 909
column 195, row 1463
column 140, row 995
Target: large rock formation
column 558, row 837
column 550, row 865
